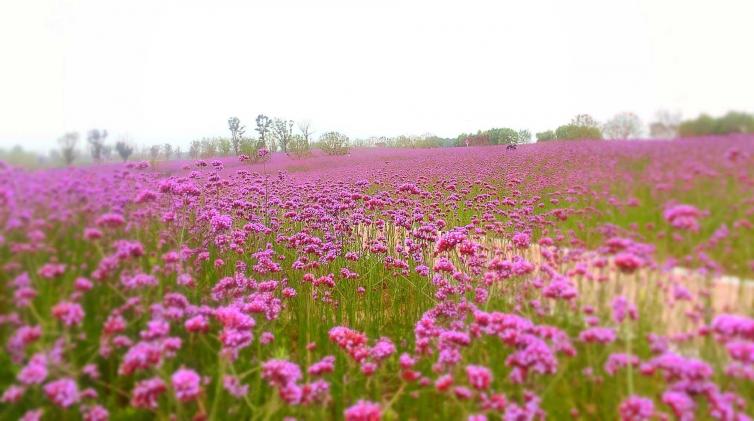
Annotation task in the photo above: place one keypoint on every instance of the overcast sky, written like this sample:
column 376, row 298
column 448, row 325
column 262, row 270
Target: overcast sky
column 173, row 71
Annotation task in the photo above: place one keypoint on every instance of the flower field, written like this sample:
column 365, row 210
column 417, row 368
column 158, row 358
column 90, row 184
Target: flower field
column 563, row 280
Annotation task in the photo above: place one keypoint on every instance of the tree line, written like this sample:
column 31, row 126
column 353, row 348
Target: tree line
column 666, row 125
column 278, row 134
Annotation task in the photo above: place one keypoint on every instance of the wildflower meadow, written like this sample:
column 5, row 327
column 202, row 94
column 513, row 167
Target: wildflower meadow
column 578, row 280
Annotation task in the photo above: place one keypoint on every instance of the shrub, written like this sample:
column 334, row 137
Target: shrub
column 334, row 143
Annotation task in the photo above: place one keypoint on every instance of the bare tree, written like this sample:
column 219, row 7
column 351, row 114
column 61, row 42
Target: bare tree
column 305, row 127
column 623, row 126
column 584, row 120
column 195, row 149
column 666, row 125
column 167, row 149
column 96, row 139
column 236, row 133
column 68, row 144
column 177, row 152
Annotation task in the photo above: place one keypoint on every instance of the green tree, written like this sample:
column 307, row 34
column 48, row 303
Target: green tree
column 334, row 143
column 545, row 136
column 282, row 130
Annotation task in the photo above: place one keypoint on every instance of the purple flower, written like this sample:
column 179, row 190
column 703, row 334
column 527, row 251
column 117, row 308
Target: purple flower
column 636, row 408
column 479, row 377
column 363, row 411
column 63, row 392
column 186, row 384
column 146, row 392
column 602, row 335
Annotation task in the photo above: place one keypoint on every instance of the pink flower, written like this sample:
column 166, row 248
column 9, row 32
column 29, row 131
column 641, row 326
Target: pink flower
column 636, row 408
column 35, row 372
column 628, row 262
column 685, row 217
column 71, row 314
column 479, row 377
column 13, row 394
column 280, row 372
column 32, row 415
column 602, row 335
column 95, row 413
column 51, row 270
column 363, row 411
column 146, row 392
column 234, row 386
column 325, row 365
column 521, row 240
column 186, row 384
column 63, row 392
column 622, row 308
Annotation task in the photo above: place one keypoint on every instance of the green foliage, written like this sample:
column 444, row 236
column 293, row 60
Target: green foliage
column 545, row 136
column 733, row 122
column 20, row 157
column 502, row 136
column 573, row 132
column 250, row 147
column 333, row 143
column 298, row 147
column 224, row 146
column 282, row 130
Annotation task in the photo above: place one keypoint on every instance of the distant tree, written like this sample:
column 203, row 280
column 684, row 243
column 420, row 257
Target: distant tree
column 524, row 136
column 107, row 152
column 96, row 140
column 735, row 122
column 623, row 126
column 665, row 126
column 584, row 120
column 305, row 127
column 479, row 139
column 583, row 126
column 298, row 146
column 125, row 149
column 501, row 136
column 177, row 152
column 195, row 149
column 545, row 136
column 263, row 128
column 209, row 148
column 224, row 146
column 236, row 133
column 282, row 130
column 334, row 143
column 68, row 144
column 154, row 152
column 167, row 149
column 732, row 122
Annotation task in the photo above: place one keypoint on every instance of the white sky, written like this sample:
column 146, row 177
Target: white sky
column 176, row 70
